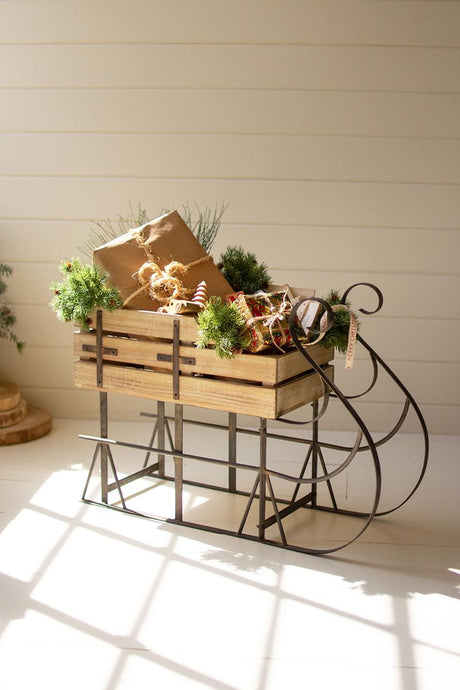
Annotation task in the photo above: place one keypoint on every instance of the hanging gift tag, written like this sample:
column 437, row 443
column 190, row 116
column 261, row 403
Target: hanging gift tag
column 307, row 314
column 352, row 333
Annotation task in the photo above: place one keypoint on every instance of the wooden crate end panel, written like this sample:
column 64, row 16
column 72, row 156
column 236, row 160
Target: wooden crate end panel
column 301, row 391
column 294, row 363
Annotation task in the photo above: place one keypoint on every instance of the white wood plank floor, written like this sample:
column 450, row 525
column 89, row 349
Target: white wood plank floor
column 96, row 599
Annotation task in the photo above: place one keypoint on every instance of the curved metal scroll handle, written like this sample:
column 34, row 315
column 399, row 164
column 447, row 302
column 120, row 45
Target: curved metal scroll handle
column 328, row 313
column 374, row 288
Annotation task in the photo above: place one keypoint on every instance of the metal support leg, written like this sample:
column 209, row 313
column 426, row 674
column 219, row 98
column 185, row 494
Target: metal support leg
column 103, row 415
column 152, row 440
column 161, row 436
column 159, row 433
column 302, row 474
column 178, row 462
column 314, row 461
column 328, row 481
column 104, row 423
column 249, row 504
column 232, row 451
column 263, row 476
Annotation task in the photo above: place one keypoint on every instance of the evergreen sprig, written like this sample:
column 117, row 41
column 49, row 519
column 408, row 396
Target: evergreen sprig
column 222, row 325
column 105, row 230
column 243, row 271
column 337, row 335
column 83, row 289
column 7, row 317
column 205, row 225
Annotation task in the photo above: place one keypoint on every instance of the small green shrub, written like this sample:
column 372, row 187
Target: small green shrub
column 83, row 289
column 222, row 325
column 243, row 271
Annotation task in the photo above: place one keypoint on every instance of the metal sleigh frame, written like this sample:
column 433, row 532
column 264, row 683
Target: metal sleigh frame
column 272, row 510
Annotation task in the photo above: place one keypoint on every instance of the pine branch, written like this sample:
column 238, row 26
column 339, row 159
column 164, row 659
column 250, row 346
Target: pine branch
column 206, row 225
column 104, row 231
column 83, row 289
column 4, row 271
column 221, row 325
column 243, row 271
column 337, row 335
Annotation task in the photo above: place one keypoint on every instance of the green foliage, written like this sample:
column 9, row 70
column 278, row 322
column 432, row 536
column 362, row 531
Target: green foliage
column 337, row 335
column 104, row 231
column 222, row 325
column 6, row 271
column 242, row 270
column 82, row 290
column 206, row 225
column 7, row 317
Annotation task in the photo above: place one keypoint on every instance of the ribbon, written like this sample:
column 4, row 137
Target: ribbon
column 161, row 284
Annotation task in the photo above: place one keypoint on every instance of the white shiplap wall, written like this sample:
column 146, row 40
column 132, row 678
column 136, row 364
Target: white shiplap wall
column 332, row 129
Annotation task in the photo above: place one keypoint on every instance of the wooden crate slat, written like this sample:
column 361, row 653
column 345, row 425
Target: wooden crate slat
column 148, row 324
column 201, row 391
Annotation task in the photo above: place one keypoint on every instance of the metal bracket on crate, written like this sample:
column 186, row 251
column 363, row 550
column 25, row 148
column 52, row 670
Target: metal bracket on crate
column 105, row 350
column 169, row 358
column 175, row 358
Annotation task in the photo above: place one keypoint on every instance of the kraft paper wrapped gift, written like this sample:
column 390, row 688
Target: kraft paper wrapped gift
column 162, row 240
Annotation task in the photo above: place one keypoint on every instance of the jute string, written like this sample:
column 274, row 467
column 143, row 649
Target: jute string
column 162, row 284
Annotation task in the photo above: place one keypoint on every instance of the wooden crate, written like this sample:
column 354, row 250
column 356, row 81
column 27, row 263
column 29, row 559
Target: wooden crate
column 138, row 360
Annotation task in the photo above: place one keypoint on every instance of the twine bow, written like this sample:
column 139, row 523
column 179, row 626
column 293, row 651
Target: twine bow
column 162, row 284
